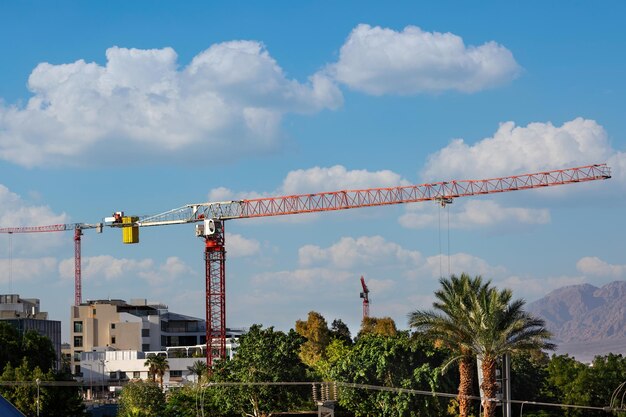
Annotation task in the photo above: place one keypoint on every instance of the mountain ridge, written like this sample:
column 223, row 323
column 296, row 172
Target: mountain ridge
column 585, row 320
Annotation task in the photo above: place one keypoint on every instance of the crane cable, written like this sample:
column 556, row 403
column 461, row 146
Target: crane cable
column 10, row 263
column 442, row 205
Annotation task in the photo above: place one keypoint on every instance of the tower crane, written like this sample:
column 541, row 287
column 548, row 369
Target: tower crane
column 78, row 232
column 213, row 215
column 366, row 299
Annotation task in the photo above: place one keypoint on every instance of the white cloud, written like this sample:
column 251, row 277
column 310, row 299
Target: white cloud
column 239, row 246
column 443, row 265
column 229, row 100
column 16, row 212
column 301, row 278
column 317, row 179
column 20, row 270
column 594, row 266
column 350, row 252
column 470, row 214
column 337, row 177
column 107, row 268
column 169, row 272
column 380, row 61
column 519, row 150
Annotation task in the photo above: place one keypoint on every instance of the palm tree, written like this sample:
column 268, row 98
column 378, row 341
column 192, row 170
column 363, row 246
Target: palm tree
column 198, row 369
column 447, row 324
column 157, row 365
column 500, row 326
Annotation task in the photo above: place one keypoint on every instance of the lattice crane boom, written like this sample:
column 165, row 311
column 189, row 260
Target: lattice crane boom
column 370, row 197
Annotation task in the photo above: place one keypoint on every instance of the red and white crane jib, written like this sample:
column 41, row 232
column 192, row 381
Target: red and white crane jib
column 347, row 199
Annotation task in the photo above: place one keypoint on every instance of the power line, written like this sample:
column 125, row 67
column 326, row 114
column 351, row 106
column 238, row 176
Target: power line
column 343, row 385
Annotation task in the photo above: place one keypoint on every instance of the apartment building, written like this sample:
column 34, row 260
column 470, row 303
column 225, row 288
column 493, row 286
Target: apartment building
column 24, row 314
column 142, row 326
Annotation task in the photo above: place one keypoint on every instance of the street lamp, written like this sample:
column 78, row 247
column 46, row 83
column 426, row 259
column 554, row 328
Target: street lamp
column 37, row 381
column 102, row 361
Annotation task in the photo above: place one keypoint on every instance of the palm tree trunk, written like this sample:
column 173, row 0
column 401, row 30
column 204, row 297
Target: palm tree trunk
column 489, row 386
column 466, row 370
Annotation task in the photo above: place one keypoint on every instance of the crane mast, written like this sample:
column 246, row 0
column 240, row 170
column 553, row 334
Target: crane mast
column 366, row 298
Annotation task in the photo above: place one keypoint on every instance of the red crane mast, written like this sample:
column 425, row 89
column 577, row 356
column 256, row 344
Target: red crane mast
column 366, row 299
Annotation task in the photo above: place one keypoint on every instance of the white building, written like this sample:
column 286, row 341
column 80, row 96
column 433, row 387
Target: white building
column 107, row 370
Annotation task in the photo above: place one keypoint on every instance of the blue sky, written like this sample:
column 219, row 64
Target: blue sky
column 146, row 106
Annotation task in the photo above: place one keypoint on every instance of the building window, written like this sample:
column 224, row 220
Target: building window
column 136, row 374
column 77, row 355
column 145, row 347
column 78, row 327
column 123, row 375
column 176, row 374
column 77, row 370
column 113, row 340
column 78, row 341
column 112, row 325
column 145, row 332
column 94, row 311
column 113, row 375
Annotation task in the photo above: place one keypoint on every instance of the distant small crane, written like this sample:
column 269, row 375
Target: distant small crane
column 366, row 299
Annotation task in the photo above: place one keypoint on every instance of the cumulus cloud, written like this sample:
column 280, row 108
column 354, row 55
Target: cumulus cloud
column 594, row 266
column 518, row 149
column 350, row 252
column 16, row 212
column 442, row 265
column 239, row 246
column 22, row 270
column 299, row 278
column 229, row 100
column 471, row 214
column 317, row 179
column 109, row 268
column 380, row 61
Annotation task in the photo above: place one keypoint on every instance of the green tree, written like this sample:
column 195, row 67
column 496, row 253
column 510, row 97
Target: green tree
column 574, row 383
column 315, row 330
column 157, row 366
column 141, row 399
column 339, row 330
column 39, row 350
column 183, row 402
column 10, row 351
column 383, row 326
column 264, row 355
column 529, row 373
column 394, row 362
column 446, row 325
column 335, row 351
column 54, row 401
